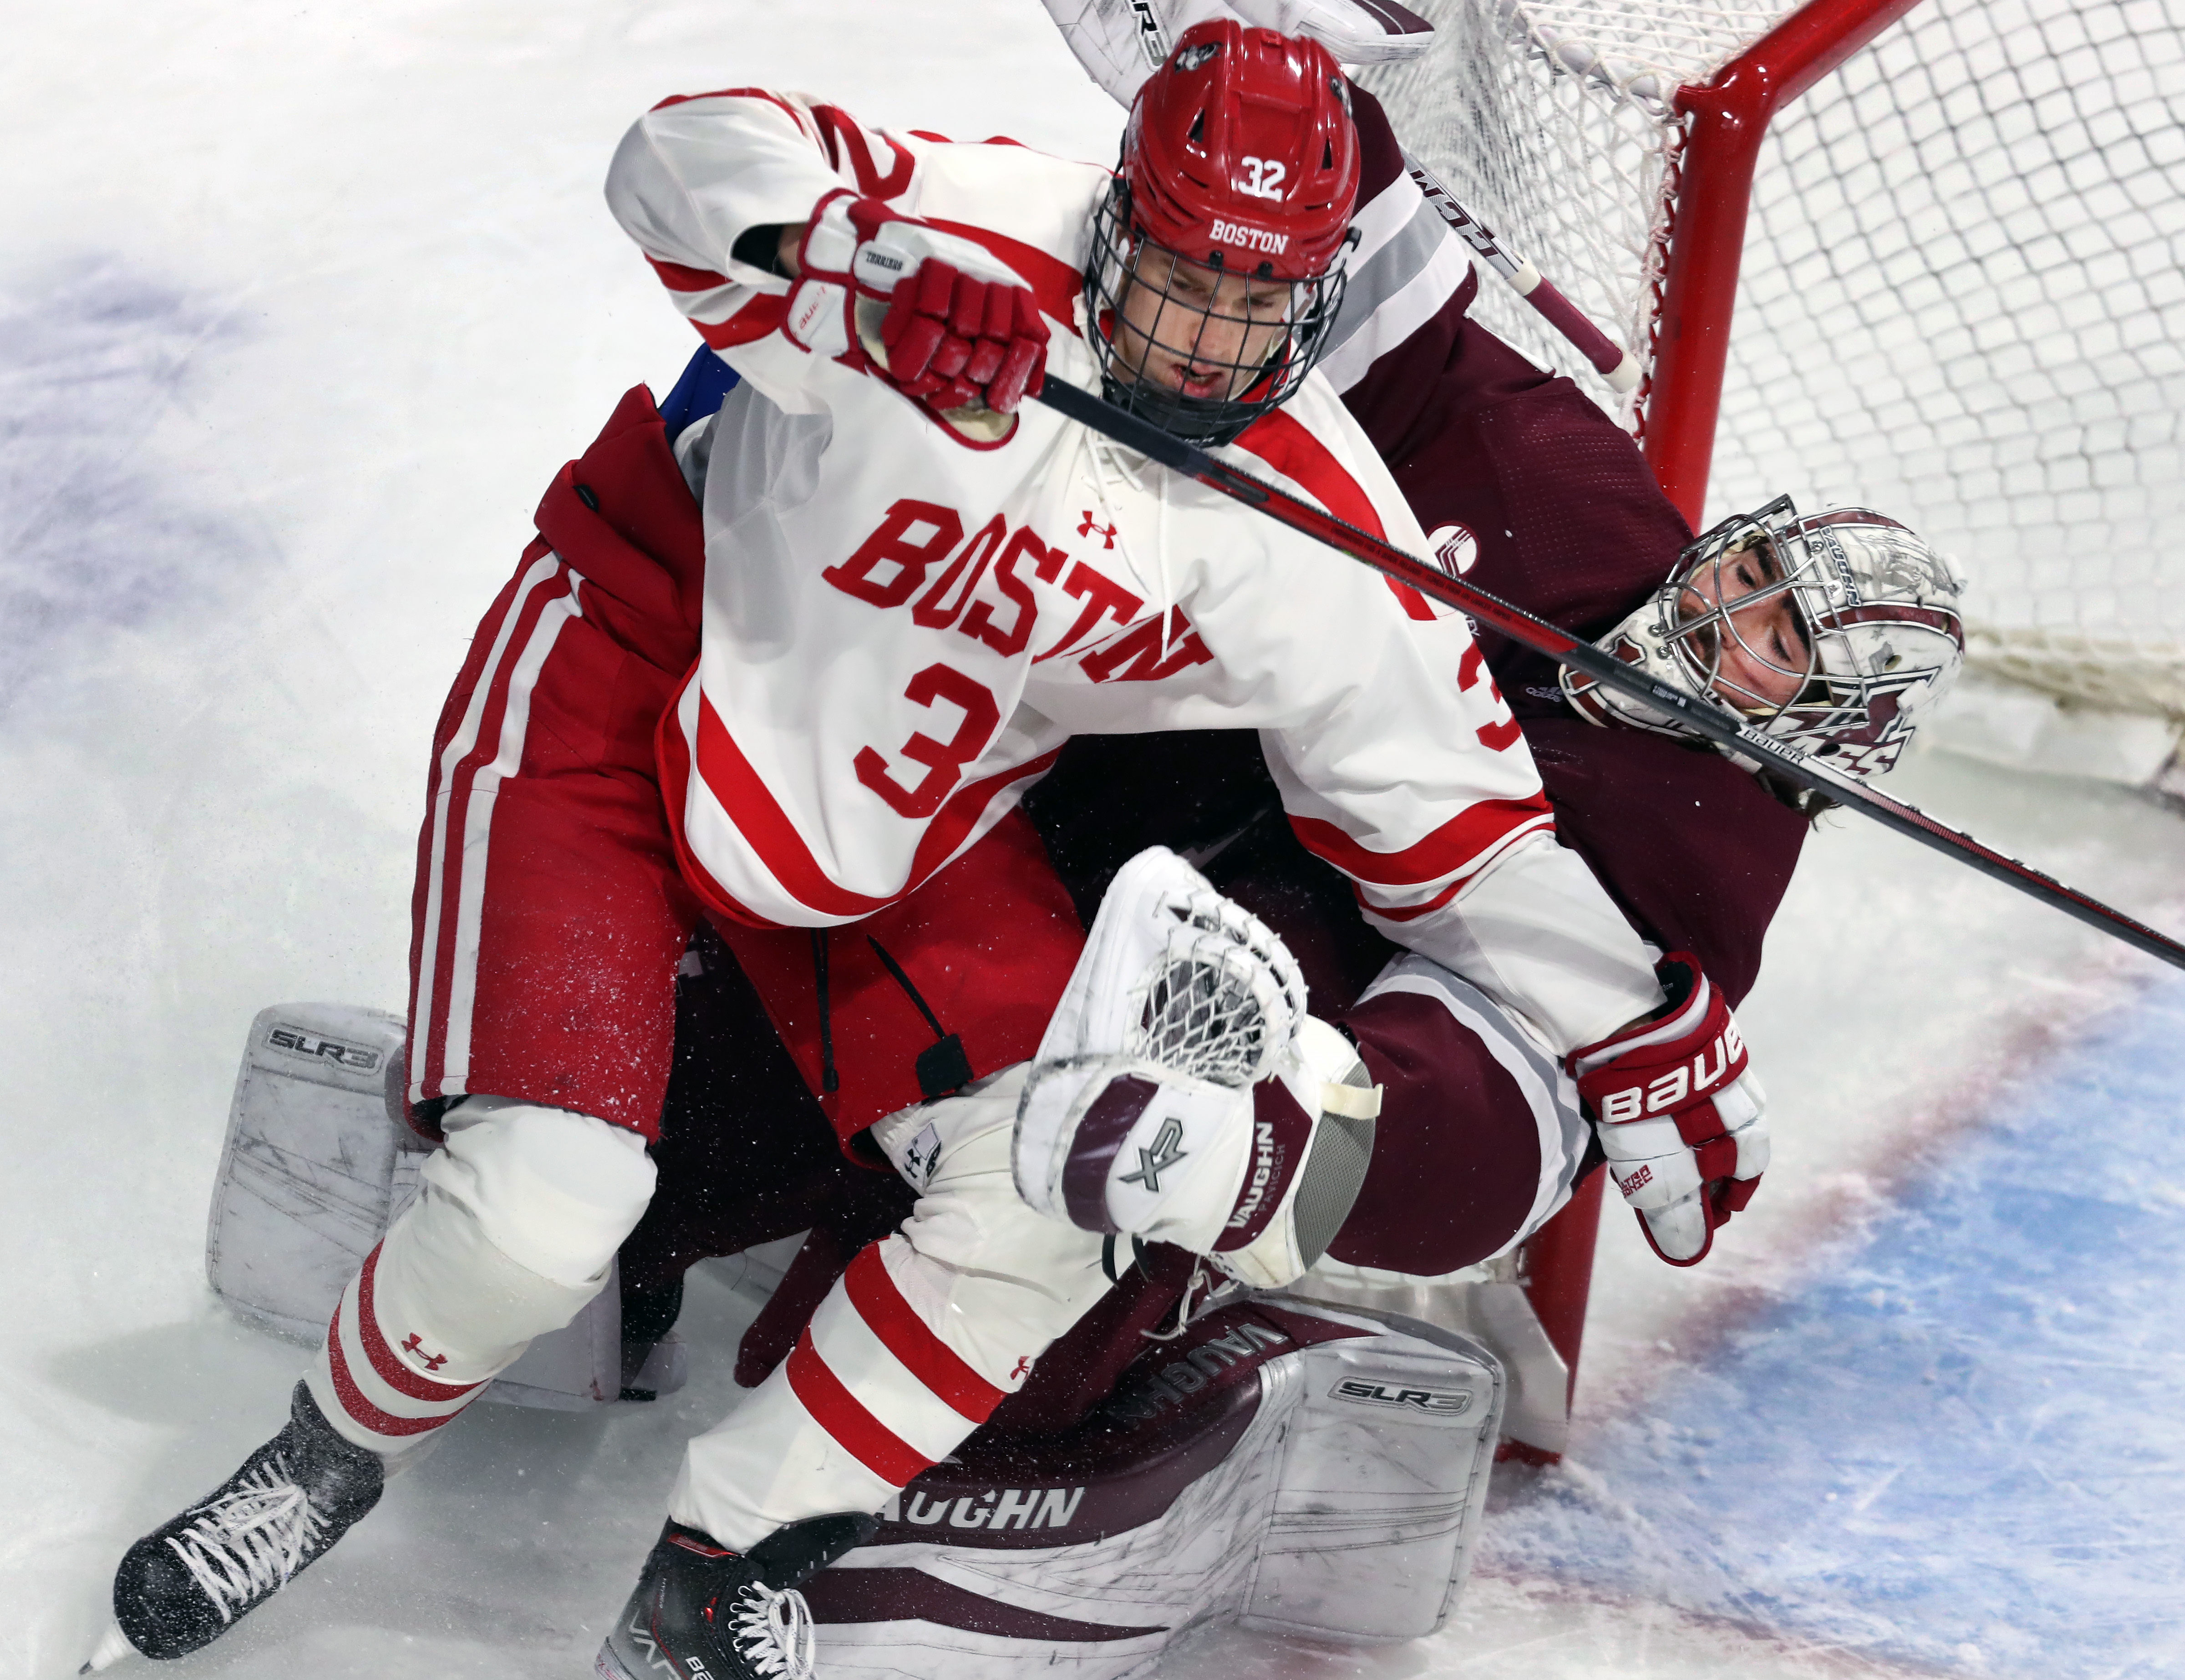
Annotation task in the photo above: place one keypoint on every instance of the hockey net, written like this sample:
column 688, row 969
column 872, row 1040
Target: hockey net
column 1961, row 299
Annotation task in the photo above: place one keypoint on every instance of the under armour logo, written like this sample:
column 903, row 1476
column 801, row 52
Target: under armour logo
column 1024, row 1365
column 1156, row 1160
column 416, row 1346
column 1091, row 525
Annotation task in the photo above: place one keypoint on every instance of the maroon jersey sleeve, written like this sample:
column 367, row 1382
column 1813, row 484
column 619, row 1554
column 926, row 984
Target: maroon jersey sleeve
column 1559, row 509
column 1693, row 849
column 1548, row 502
column 1560, row 512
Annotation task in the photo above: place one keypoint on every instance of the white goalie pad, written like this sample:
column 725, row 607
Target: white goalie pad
column 318, row 1164
column 1291, row 1466
column 314, row 1170
column 1489, row 1304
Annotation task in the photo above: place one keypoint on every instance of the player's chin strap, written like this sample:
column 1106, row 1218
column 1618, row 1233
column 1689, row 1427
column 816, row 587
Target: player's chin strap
column 1699, row 714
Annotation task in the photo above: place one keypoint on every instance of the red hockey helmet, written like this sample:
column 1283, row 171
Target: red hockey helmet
column 1215, row 269
column 1241, row 154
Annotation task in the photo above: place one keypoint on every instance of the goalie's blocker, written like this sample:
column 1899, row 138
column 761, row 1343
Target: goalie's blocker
column 1182, row 1094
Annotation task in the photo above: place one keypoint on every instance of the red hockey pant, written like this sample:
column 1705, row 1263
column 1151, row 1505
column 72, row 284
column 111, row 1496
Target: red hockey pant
column 548, row 916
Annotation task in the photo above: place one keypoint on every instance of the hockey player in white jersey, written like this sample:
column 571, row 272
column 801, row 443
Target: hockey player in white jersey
column 907, row 590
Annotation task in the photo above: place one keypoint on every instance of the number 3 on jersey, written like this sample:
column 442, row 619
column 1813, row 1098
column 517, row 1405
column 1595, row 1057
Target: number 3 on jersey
column 944, row 760
column 1499, row 733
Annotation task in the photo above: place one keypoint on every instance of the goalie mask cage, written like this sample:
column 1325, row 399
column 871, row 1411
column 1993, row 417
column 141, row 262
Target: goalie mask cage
column 1926, row 255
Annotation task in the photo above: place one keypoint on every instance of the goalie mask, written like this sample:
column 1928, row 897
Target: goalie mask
column 1837, row 632
column 1216, row 262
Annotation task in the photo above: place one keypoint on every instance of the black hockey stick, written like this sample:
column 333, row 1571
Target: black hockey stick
column 1702, row 716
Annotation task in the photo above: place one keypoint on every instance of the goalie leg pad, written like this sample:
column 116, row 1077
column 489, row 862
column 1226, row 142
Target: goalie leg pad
column 313, row 1169
column 1384, row 1484
column 1305, row 1468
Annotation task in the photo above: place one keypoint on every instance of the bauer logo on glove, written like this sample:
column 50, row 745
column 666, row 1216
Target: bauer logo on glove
column 1679, row 1112
column 1667, row 1092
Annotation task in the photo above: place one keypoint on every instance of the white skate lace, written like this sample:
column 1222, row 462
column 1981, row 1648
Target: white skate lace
column 773, row 1631
column 246, row 1543
column 1192, row 1304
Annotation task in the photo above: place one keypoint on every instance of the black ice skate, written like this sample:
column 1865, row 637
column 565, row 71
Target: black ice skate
column 702, row 1609
column 186, row 1582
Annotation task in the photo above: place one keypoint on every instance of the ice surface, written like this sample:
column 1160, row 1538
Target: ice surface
column 1964, row 1443
column 299, row 310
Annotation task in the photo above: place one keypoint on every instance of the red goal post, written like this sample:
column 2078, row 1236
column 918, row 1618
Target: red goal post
column 1922, row 254
column 1709, row 195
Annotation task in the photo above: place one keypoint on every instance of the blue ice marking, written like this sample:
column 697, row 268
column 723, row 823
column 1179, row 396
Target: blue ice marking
column 1964, row 1447
column 93, row 536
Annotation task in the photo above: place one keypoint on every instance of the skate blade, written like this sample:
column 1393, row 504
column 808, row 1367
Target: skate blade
column 113, row 1646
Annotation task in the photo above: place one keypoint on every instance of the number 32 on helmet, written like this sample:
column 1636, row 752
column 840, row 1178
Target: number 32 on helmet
column 1217, row 266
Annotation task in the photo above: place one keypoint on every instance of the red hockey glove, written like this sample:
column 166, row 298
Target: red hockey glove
column 1679, row 1113
column 938, row 317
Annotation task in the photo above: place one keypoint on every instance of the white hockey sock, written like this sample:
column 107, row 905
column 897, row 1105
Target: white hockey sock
column 923, row 1336
column 512, row 1234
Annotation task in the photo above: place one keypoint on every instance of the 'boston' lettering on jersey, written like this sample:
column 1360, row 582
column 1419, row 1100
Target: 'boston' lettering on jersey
column 894, row 561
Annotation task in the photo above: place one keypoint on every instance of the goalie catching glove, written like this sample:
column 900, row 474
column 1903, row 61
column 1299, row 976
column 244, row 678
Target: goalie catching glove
column 1679, row 1113
column 935, row 315
column 1181, row 1093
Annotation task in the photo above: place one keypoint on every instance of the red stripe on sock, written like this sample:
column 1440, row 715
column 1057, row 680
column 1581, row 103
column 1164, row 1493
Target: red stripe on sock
column 932, row 1361
column 839, row 1412
column 360, row 1410
column 384, row 1360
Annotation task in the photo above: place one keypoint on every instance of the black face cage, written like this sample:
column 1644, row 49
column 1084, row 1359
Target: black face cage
column 1180, row 328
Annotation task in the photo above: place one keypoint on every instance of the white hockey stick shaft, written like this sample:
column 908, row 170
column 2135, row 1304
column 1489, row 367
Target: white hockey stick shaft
column 1615, row 363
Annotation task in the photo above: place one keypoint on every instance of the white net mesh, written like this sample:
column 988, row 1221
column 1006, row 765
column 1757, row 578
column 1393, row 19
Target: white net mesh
column 1961, row 300
column 1962, row 303
column 1551, row 120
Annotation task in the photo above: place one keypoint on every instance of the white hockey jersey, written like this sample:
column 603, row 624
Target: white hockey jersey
column 902, row 627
